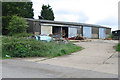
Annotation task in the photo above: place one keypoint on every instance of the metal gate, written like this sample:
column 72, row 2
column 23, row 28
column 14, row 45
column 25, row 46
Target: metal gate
column 102, row 33
column 87, row 31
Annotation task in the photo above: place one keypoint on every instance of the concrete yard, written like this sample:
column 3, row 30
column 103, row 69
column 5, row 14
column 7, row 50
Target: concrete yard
column 97, row 55
column 24, row 69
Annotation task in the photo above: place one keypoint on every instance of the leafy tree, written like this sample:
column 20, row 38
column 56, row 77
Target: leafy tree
column 17, row 25
column 23, row 9
column 5, row 23
column 47, row 12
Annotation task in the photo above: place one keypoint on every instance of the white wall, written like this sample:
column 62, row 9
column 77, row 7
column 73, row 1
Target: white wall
column 46, row 30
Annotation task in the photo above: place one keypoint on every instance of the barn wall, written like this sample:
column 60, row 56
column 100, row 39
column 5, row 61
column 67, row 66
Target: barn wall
column 46, row 30
column 79, row 31
column 108, row 32
column 37, row 27
column 34, row 27
column 30, row 28
column 95, row 32
column 92, row 32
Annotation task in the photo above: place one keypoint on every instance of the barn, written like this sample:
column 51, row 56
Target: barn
column 67, row 29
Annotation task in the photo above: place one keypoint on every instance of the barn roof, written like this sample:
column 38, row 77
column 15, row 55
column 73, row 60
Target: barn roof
column 65, row 23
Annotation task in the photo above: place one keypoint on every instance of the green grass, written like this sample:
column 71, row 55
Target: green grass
column 21, row 47
column 118, row 47
column 5, row 57
column 24, row 34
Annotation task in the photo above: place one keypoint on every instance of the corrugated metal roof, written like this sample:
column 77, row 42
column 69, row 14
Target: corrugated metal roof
column 66, row 23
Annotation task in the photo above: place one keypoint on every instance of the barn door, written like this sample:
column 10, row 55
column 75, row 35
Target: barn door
column 102, row 33
column 72, row 32
column 87, row 32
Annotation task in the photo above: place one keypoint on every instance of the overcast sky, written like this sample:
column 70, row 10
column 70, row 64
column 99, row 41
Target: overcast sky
column 100, row 12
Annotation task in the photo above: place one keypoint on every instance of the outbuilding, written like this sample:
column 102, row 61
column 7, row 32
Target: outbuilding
column 68, row 29
column 116, row 34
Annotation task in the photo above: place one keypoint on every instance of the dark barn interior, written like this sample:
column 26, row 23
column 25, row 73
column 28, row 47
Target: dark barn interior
column 116, row 34
column 65, row 32
column 57, row 30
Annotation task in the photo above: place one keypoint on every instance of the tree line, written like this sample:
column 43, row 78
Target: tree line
column 12, row 10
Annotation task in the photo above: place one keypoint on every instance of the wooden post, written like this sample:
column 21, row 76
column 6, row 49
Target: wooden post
column 82, row 30
column 61, row 32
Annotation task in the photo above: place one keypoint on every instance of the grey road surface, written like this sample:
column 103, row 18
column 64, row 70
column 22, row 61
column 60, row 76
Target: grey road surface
column 12, row 68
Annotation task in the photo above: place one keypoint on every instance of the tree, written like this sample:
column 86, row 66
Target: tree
column 17, row 25
column 23, row 9
column 47, row 12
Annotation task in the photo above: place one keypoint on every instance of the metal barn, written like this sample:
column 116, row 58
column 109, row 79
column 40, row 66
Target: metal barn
column 68, row 29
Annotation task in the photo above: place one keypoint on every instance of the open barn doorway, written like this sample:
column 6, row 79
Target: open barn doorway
column 65, row 32
column 56, row 30
column 59, row 31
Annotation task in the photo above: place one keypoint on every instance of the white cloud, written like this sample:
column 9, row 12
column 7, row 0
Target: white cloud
column 70, row 10
column 110, row 22
column 70, row 17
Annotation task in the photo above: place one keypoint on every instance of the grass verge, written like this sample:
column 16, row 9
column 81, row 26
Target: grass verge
column 118, row 47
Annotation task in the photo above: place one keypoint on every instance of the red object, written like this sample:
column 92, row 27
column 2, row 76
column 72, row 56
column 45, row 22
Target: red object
column 33, row 32
column 50, row 35
column 109, row 39
column 66, row 38
column 73, row 38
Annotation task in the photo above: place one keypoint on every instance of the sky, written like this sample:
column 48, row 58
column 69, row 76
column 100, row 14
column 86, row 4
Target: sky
column 99, row 12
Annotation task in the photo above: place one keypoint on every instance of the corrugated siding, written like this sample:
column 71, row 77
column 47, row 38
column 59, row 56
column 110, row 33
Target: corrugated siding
column 108, row 31
column 30, row 28
column 36, row 27
column 79, row 30
column 102, row 33
column 87, row 31
column 72, row 32
column 95, row 32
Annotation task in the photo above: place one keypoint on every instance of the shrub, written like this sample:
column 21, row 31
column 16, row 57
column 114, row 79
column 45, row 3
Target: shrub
column 118, row 47
column 24, row 34
column 110, row 36
column 17, row 25
column 22, row 47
